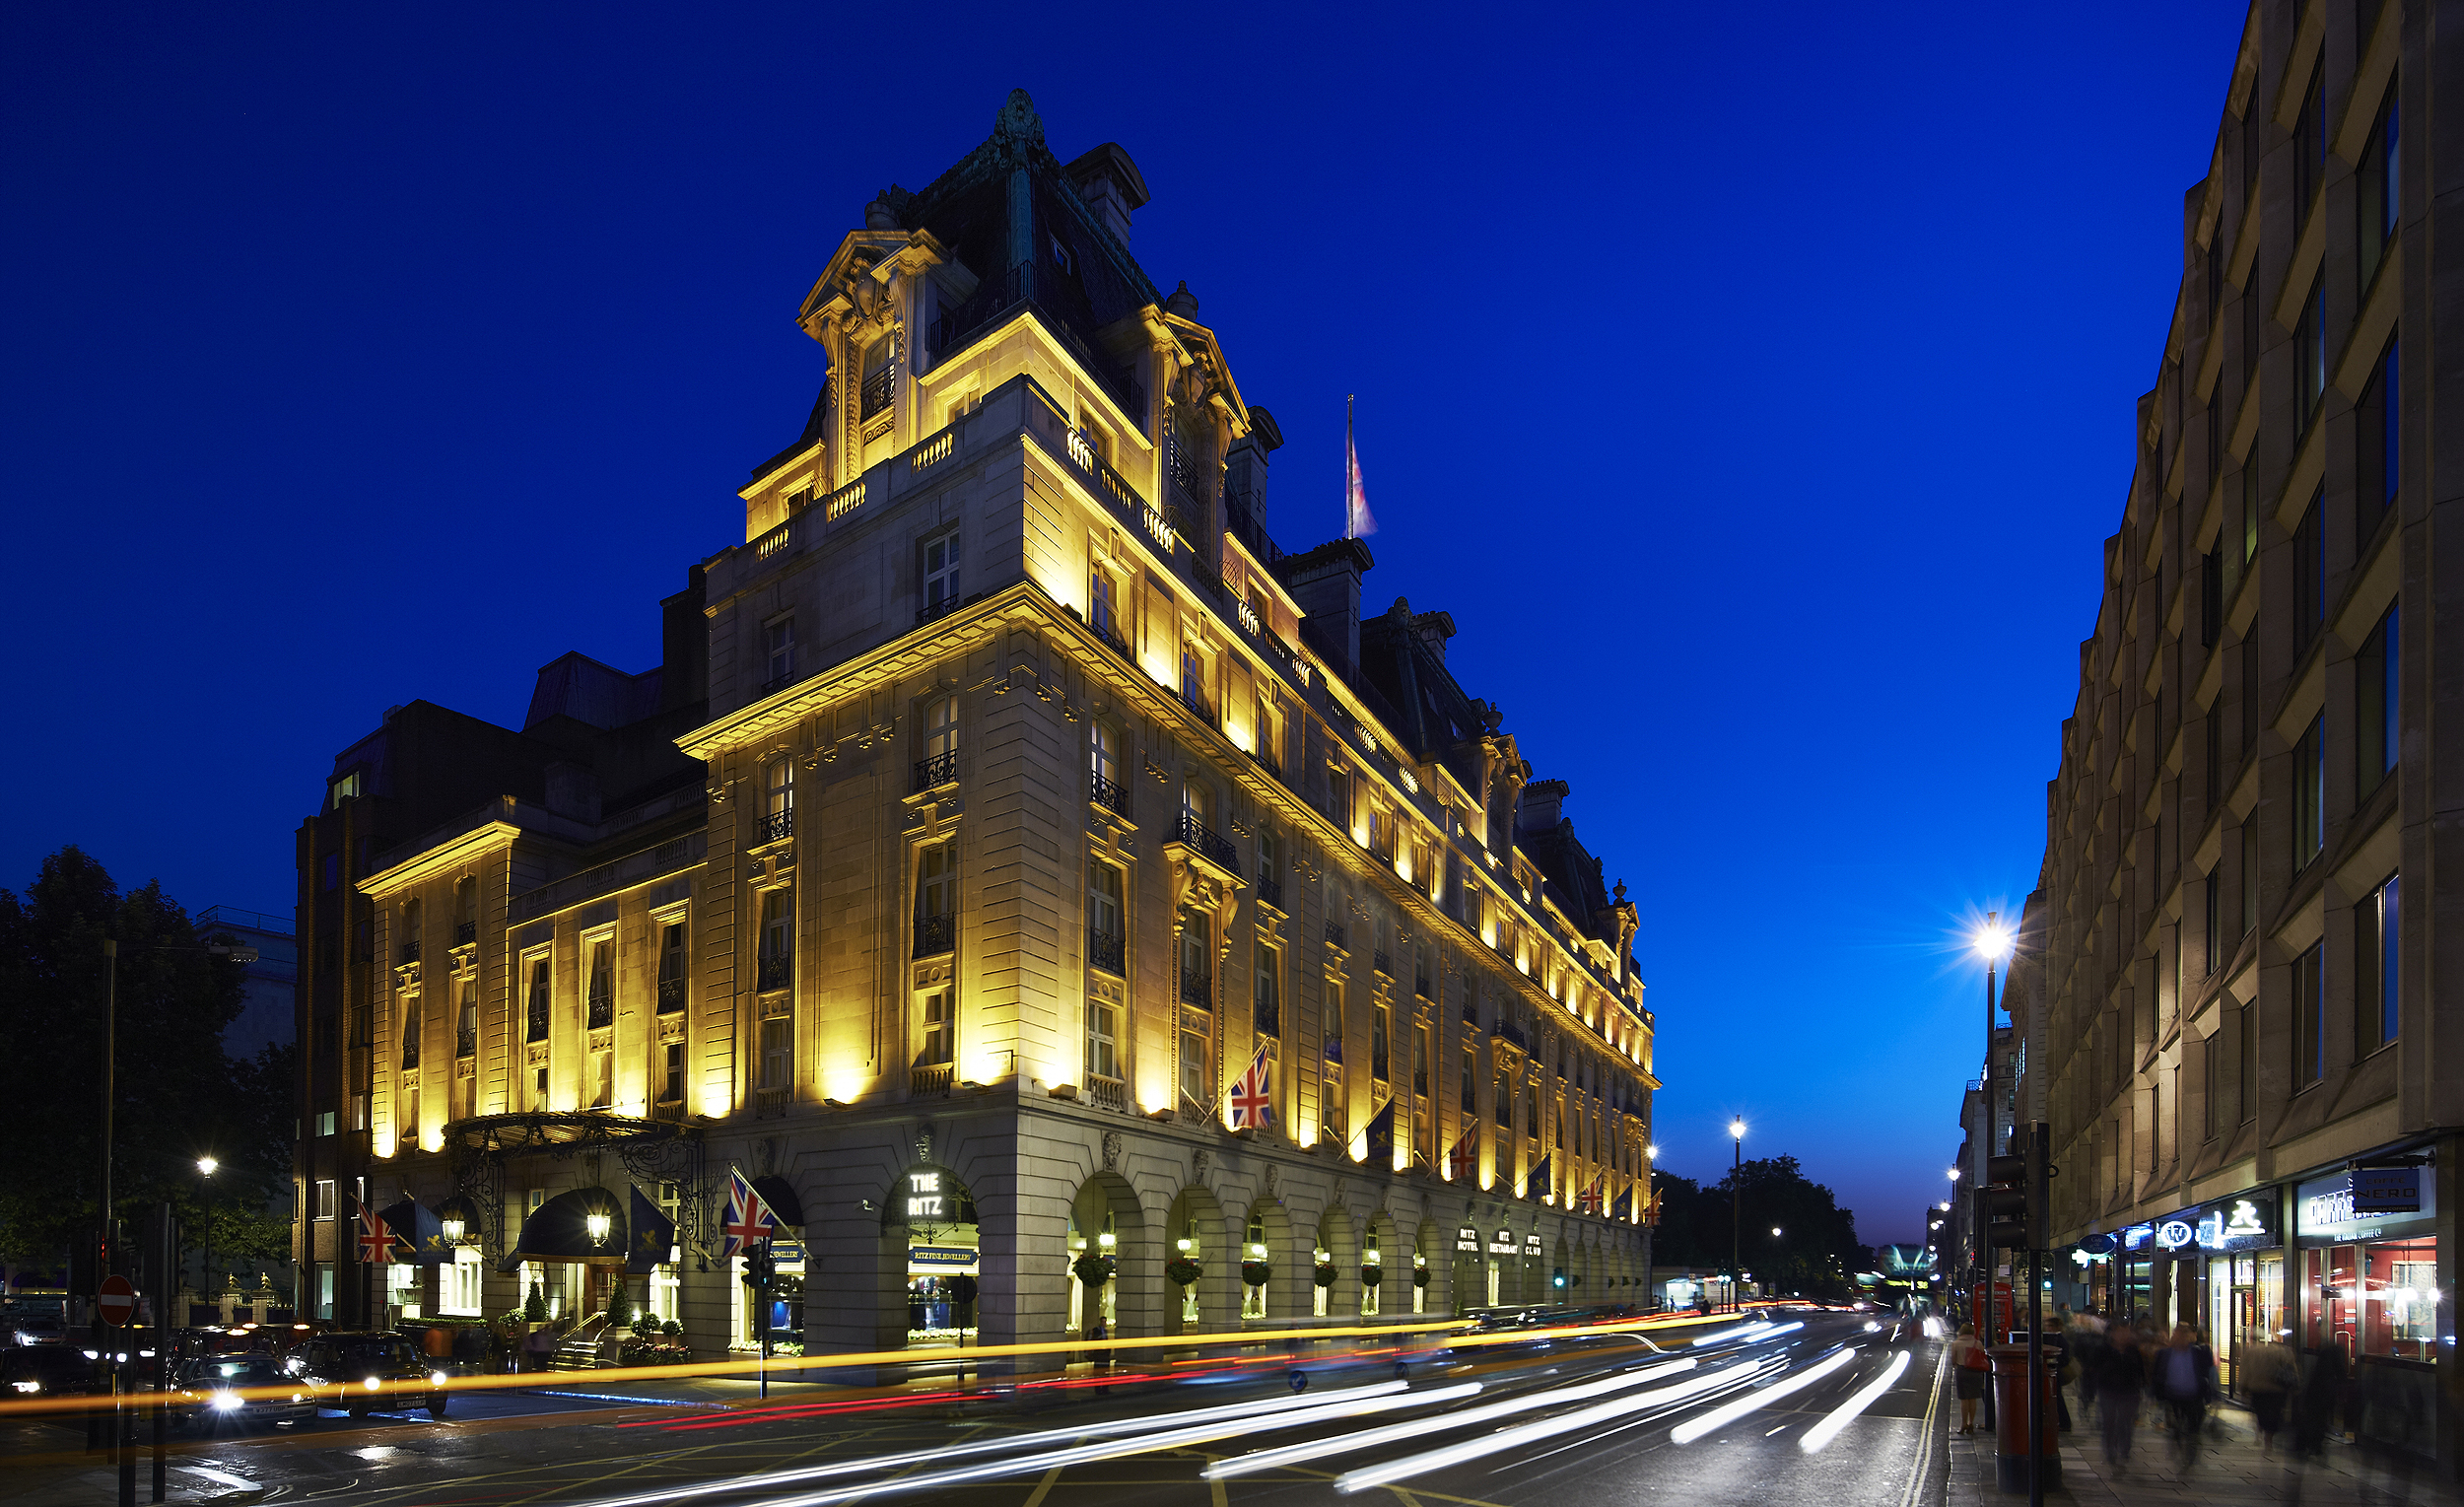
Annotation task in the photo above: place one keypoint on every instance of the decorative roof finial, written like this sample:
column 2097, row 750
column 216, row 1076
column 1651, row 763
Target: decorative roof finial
column 1183, row 301
column 1018, row 121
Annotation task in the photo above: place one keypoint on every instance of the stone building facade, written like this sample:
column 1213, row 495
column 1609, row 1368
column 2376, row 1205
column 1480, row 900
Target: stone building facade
column 2229, row 972
column 1038, row 796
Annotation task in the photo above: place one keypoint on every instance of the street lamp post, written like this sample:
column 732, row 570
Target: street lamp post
column 205, row 1170
column 1737, row 1214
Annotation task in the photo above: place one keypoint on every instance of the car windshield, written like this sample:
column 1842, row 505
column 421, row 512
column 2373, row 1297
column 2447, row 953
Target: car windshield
column 377, row 1353
column 236, row 1371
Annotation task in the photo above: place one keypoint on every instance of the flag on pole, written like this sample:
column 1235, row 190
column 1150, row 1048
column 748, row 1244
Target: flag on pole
column 1357, row 521
column 1590, row 1200
column 1624, row 1209
column 376, row 1238
column 1462, row 1160
column 414, row 1222
column 1382, row 1138
column 749, row 1220
column 1538, row 1183
column 653, row 1236
column 1252, row 1097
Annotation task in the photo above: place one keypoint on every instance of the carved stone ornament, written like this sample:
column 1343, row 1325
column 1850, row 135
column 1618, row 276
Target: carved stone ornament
column 766, row 1155
column 1272, row 1179
column 1112, row 1151
column 1199, row 1160
column 924, row 1142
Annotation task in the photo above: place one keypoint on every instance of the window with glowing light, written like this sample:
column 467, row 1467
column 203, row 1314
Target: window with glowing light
column 940, row 573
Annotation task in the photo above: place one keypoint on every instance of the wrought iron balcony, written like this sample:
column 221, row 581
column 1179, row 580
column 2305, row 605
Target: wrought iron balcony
column 1511, row 1032
column 603, row 1010
column 938, row 770
column 776, row 683
column 1271, row 891
column 1210, row 845
column 465, row 933
column 1420, row 986
column 1334, row 935
column 934, row 611
column 1382, row 963
column 1267, row 1018
column 466, row 1041
column 935, row 934
column 778, row 971
column 1106, row 950
column 670, row 996
column 1197, row 988
column 1184, row 468
column 1192, row 699
column 776, row 825
column 1380, row 1067
column 1111, row 794
column 410, row 953
column 879, row 389
column 1268, row 762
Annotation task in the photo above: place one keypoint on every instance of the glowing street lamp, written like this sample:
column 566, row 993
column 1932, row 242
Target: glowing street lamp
column 598, row 1224
column 1737, row 1208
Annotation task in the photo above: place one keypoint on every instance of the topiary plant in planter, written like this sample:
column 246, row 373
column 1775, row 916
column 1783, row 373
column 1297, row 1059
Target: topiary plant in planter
column 1183, row 1270
column 535, row 1306
column 1257, row 1274
column 1092, row 1269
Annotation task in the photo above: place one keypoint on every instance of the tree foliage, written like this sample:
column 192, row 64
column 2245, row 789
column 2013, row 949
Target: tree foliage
column 1816, row 1252
column 177, row 1097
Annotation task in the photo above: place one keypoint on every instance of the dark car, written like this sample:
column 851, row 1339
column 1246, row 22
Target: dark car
column 238, row 1389
column 36, row 1329
column 47, row 1370
column 358, row 1372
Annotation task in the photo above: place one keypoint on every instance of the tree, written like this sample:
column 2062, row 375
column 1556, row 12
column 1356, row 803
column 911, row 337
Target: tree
column 173, row 1098
column 1815, row 1254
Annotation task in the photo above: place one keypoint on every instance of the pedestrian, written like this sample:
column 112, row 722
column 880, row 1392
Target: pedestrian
column 2322, row 1390
column 1969, row 1367
column 2087, row 1345
column 2121, row 1376
column 2267, row 1375
column 2184, row 1376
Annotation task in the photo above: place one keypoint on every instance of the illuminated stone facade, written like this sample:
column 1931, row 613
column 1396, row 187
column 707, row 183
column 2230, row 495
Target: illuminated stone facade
column 1041, row 793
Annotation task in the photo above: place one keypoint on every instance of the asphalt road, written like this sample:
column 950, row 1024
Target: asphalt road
column 1566, row 1423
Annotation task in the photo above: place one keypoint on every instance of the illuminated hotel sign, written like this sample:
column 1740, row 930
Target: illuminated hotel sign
column 1467, row 1239
column 924, row 1195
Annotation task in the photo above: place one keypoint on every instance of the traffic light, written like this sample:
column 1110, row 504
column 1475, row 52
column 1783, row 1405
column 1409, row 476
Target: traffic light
column 2007, row 1203
column 760, row 1266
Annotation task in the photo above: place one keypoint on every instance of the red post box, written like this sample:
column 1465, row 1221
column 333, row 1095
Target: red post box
column 2011, row 1420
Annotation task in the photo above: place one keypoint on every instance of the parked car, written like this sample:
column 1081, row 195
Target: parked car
column 47, row 1370
column 36, row 1328
column 355, row 1372
column 235, row 1390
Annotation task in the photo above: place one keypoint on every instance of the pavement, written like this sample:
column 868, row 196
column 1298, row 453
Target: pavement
column 2229, row 1469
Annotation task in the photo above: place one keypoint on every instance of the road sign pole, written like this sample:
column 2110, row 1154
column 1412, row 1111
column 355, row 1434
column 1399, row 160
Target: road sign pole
column 166, row 1294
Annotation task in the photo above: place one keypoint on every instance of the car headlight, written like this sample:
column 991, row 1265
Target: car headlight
column 1873, row 1327
column 30, row 1386
column 226, row 1402
column 371, row 1383
column 435, row 1378
column 298, row 1397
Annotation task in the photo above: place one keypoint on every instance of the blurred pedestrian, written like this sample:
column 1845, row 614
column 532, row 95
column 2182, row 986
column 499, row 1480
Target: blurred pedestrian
column 2184, row 1374
column 2267, row 1375
column 1970, row 1366
column 2121, row 1376
column 2322, row 1392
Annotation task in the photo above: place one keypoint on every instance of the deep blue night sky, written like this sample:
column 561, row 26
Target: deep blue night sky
column 1753, row 385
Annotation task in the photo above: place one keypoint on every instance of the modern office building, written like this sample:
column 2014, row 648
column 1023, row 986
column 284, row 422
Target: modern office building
column 2228, row 970
column 1017, row 859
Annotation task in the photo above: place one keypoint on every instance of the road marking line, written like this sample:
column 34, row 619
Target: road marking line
column 1923, row 1465
column 1768, row 1433
column 1036, row 1497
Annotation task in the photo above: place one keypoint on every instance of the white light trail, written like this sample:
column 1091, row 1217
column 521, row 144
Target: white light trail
column 1261, row 1413
column 1742, row 1332
column 1846, row 1413
column 1369, row 1476
column 1729, row 1413
column 1087, row 1454
column 1346, row 1444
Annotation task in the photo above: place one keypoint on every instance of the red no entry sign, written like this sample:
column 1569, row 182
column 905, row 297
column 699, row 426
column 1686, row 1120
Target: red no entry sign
column 117, row 1300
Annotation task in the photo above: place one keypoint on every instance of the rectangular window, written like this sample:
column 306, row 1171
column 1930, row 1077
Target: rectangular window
column 2214, row 889
column 2309, row 794
column 2249, row 696
column 1103, row 764
column 2309, row 147
column 2212, row 1059
column 778, row 944
column 333, row 872
column 671, row 967
column 2212, row 597
column 324, row 1198
column 1338, row 795
column 941, row 729
column 2374, row 705
column 1379, row 1064
column 1103, row 901
column 2309, row 337
column 940, row 576
column 1101, row 611
column 778, row 643
column 1197, row 960
column 1266, row 1002
column 1333, row 1100
column 603, row 997
column 2377, row 462
column 778, row 1053
column 2376, row 923
column 2249, row 1062
column 1422, row 1054
column 2250, row 874
column 1103, row 1059
column 539, row 998
column 1196, row 1082
column 2309, row 572
column 466, row 1022
column 939, row 1009
column 2249, row 508
column 1504, row 1101
column 2378, row 181
column 1471, row 1101
column 936, row 900
column 2309, row 1018
column 671, row 1078
column 603, row 1079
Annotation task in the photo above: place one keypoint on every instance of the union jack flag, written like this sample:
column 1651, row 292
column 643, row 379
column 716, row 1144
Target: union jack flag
column 1252, row 1097
column 1462, row 1159
column 1590, row 1197
column 749, row 1220
column 376, row 1238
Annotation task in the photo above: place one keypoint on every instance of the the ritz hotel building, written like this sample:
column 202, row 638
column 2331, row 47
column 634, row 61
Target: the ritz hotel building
column 1003, row 795
column 2228, row 974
